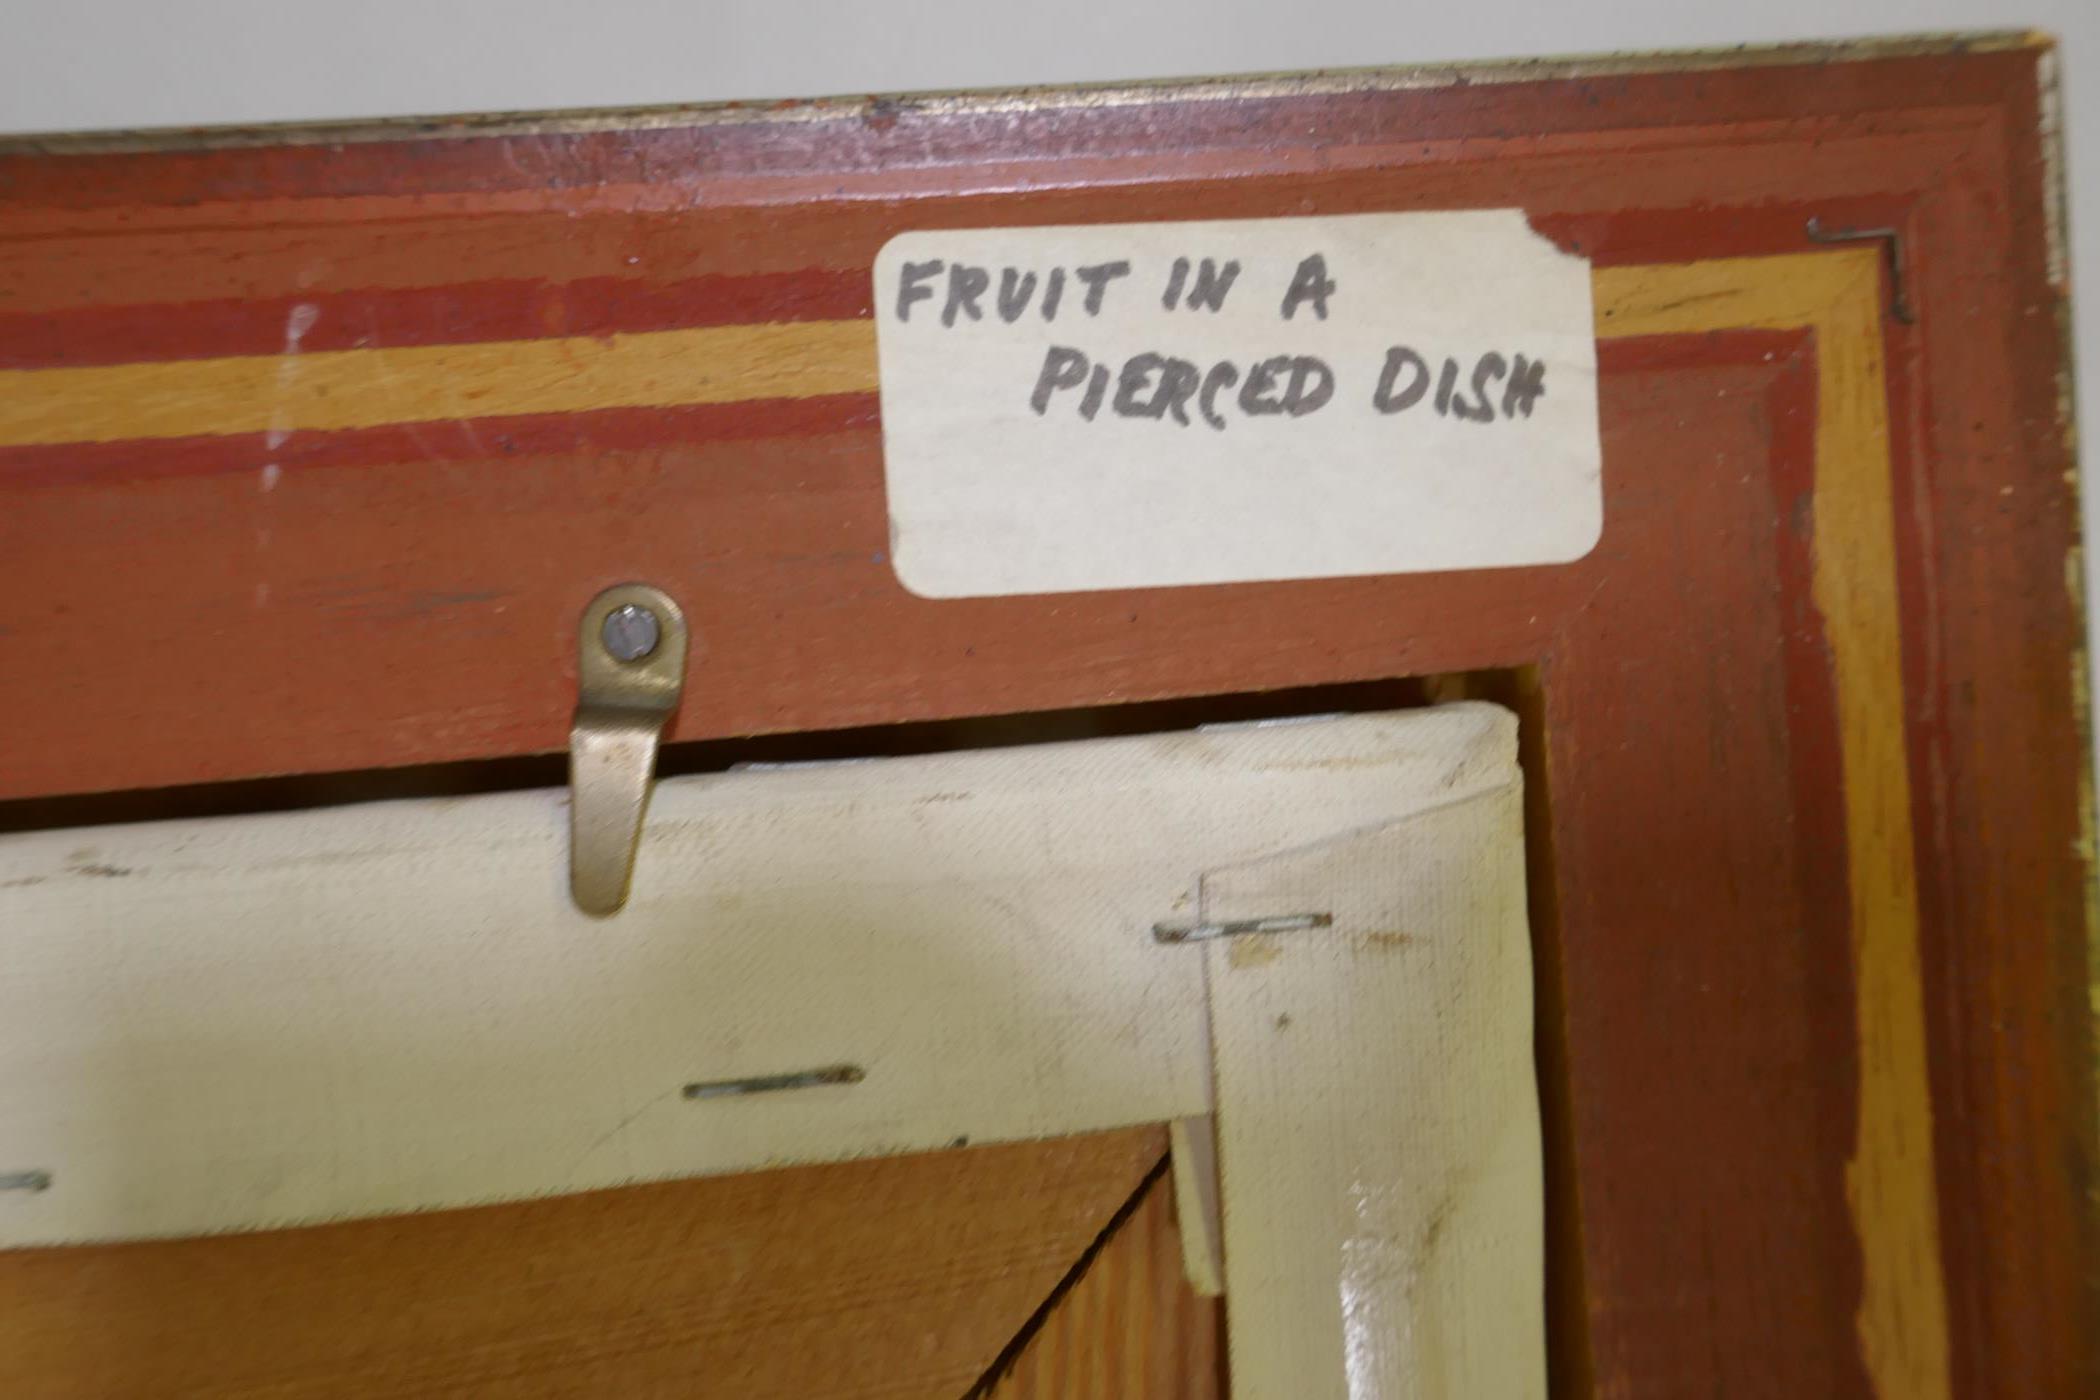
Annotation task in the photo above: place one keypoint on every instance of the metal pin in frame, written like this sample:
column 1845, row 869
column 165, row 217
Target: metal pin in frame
column 1227, row 928
column 1891, row 240
column 769, row 1083
column 25, row 1181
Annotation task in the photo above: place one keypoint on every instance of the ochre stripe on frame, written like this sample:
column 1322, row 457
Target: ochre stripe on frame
column 338, row 389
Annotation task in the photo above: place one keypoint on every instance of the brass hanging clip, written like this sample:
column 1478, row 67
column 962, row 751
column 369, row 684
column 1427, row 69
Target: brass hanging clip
column 630, row 670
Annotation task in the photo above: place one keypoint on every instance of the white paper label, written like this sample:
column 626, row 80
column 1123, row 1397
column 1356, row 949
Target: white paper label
column 1134, row 405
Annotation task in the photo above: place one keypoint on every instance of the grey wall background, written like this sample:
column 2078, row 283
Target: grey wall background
column 78, row 64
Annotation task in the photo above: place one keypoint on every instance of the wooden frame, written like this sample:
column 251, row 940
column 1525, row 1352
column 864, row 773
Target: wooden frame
column 1844, row 540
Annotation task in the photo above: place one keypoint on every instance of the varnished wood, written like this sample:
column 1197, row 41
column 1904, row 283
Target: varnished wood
column 903, row 1277
column 1130, row 1328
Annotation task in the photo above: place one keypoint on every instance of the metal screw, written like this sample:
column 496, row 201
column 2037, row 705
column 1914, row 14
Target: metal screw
column 630, row 632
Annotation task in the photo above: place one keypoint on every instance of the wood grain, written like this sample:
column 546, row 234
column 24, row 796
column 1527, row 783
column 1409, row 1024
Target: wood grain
column 897, row 1278
column 1131, row 1328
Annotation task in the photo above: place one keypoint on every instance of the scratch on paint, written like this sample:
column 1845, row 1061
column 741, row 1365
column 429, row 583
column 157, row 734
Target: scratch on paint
column 616, row 1129
column 297, row 323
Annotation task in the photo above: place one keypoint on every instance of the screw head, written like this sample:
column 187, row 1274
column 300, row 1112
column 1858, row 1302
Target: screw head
column 630, row 632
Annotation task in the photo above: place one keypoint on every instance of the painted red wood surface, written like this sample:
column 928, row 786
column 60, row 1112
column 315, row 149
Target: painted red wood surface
column 418, row 608
column 1746, row 1112
column 218, row 606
